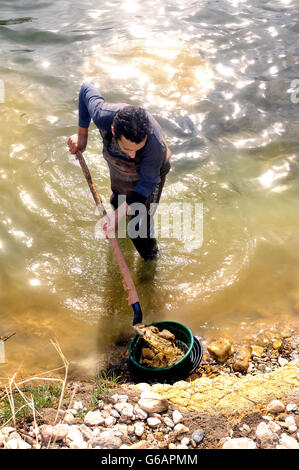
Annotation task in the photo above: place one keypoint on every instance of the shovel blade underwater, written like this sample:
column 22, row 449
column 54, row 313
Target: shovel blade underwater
column 137, row 313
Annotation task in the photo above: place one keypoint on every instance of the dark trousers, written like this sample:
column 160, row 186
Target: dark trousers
column 147, row 244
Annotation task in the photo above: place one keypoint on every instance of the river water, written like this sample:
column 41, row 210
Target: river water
column 219, row 76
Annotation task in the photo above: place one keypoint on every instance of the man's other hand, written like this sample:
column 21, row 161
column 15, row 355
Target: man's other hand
column 76, row 143
column 110, row 222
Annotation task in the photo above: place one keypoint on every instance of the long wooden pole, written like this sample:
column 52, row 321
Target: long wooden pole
column 127, row 279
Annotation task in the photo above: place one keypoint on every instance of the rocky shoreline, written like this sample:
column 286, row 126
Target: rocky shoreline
column 180, row 416
column 149, row 423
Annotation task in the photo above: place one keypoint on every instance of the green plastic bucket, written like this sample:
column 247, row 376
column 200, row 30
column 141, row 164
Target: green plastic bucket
column 175, row 372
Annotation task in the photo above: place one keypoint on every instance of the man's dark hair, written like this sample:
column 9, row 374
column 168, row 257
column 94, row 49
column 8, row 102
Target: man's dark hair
column 131, row 122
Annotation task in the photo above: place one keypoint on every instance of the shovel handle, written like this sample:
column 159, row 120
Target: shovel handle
column 92, row 186
column 127, row 279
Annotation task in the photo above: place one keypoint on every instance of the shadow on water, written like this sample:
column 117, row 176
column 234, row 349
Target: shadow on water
column 114, row 324
column 16, row 21
column 146, row 271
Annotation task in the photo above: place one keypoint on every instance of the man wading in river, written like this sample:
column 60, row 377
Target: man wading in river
column 138, row 161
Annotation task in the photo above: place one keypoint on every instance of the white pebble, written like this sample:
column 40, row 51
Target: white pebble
column 292, row 428
column 274, row 427
column 168, row 422
column 60, row 431
column 86, row 432
column 17, row 444
column 290, row 420
column 239, row 443
column 288, row 441
column 78, row 405
column 282, row 424
column 282, row 362
column 96, row 432
column 131, row 429
column 125, row 409
column 291, row 407
column 142, row 387
column 245, row 429
column 139, row 429
column 155, row 415
column 153, row 422
column 69, row 418
column 139, row 413
column 110, row 421
column 275, row 406
column 150, row 438
column 123, row 398
column 107, row 408
column 181, row 446
column 177, row 417
column 114, row 398
column 7, row 430
column 185, row 441
column 153, row 402
column 262, row 431
column 115, row 414
column 74, row 439
column 94, row 418
column 180, row 429
column 267, row 418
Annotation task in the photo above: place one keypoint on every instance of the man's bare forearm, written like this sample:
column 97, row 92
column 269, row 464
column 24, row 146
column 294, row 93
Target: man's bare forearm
column 82, row 138
column 83, row 131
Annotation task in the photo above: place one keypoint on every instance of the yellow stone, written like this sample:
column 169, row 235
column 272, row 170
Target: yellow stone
column 256, row 350
column 286, row 332
column 269, row 334
column 159, row 436
column 277, row 344
column 241, row 359
column 220, row 349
